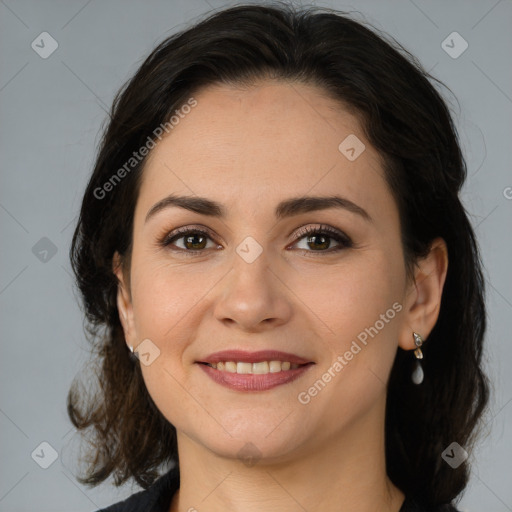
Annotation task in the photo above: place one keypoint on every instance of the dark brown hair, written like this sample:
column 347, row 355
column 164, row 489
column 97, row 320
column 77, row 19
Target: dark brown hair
column 405, row 119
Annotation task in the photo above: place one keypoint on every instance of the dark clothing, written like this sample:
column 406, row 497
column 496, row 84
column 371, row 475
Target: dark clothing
column 155, row 499
column 158, row 498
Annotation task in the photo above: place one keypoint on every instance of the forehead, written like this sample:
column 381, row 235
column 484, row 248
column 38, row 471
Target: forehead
column 259, row 143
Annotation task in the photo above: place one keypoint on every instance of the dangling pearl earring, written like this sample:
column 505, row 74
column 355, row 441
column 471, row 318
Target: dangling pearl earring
column 417, row 374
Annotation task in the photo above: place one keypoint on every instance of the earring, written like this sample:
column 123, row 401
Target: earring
column 133, row 355
column 417, row 374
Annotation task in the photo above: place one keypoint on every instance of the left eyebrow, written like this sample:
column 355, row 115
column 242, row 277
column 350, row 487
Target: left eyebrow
column 286, row 208
column 305, row 204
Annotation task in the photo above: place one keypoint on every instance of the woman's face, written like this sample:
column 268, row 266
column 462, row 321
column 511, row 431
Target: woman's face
column 257, row 281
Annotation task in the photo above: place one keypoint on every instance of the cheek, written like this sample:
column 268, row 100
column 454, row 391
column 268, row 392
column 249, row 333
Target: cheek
column 356, row 307
column 164, row 294
column 165, row 300
column 350, row 297
column 357, row 310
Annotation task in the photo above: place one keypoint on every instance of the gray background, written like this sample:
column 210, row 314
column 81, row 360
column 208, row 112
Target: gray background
column 51, row 111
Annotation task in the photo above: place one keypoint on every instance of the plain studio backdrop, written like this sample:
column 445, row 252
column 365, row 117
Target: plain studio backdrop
column 53, row 101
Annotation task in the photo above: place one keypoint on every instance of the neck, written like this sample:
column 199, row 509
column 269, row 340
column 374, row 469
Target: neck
column 344, row 473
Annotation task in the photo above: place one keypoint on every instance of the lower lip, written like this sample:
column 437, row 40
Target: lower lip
column 254, row 382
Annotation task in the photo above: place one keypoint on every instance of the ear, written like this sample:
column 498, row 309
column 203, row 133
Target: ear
column 124, row 302
column 423, row 299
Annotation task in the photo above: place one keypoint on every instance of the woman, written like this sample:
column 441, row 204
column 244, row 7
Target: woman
column 281, row 282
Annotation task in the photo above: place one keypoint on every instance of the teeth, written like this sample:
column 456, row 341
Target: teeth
column 243, row 368
column 275, row 366
column 230, row 367
column 261, row 368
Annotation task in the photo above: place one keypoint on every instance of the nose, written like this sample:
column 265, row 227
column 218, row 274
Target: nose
column 253, row 296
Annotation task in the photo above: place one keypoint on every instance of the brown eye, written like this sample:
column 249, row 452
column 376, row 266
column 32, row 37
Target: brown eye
column 319, row 239
column 195, row 242
column 192, row 240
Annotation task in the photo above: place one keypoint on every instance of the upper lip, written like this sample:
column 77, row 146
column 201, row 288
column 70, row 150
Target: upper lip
column 253, row 357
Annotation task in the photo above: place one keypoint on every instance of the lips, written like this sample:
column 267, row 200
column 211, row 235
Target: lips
column 252, row 382
column 240, row 370
column 253, row 357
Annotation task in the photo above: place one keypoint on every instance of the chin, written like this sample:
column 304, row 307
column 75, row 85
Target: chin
column 250, row 443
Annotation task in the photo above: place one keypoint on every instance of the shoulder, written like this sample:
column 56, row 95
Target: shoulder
column 156, row 498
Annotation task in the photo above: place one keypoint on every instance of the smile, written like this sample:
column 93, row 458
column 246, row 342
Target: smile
column 266, row 376
column 260, row 368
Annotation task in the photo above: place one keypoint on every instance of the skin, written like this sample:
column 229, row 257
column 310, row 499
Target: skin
column 249, row 149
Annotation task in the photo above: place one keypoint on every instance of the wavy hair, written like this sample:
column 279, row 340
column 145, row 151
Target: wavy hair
column 405, row 119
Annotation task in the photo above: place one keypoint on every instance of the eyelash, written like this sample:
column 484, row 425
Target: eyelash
column 344, row 241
